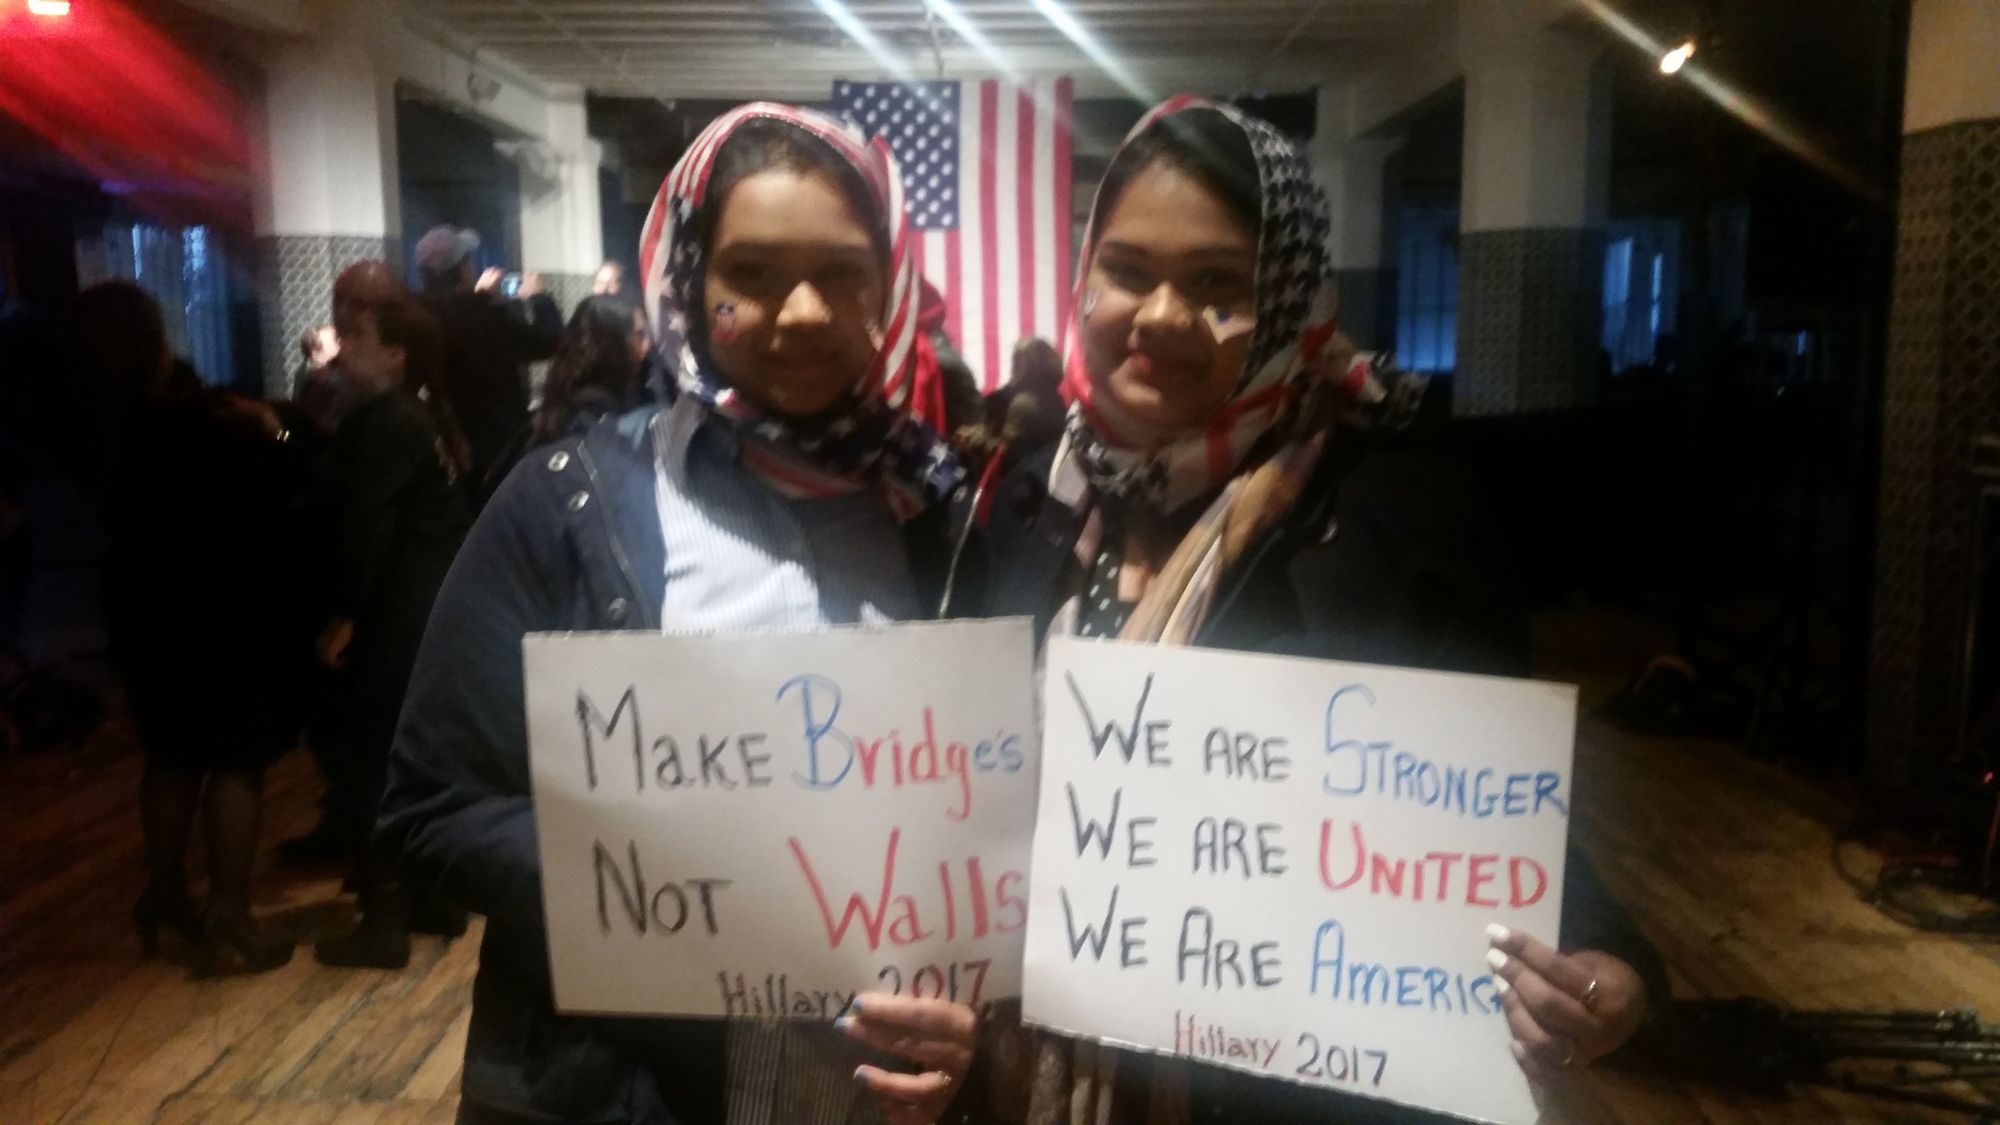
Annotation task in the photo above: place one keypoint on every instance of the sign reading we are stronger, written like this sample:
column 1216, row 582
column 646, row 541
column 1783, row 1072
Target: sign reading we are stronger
column 1287, row 866
column 763, row 825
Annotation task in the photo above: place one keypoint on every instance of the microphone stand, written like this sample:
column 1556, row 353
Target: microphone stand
column 1941, row 1059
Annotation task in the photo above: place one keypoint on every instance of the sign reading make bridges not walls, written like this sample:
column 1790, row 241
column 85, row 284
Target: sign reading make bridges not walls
column 764, row 825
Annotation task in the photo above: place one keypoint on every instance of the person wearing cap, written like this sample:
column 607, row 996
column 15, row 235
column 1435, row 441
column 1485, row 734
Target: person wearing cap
column 489, row 339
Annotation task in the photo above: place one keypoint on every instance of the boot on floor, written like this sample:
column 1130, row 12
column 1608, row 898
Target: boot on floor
column 434, row 916
column 375, row 943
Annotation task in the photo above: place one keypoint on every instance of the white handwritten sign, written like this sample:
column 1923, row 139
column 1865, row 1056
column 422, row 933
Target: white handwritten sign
column 1287, row 866
column 763, row 825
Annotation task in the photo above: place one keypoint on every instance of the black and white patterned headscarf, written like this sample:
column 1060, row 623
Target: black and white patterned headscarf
column 1296, row 316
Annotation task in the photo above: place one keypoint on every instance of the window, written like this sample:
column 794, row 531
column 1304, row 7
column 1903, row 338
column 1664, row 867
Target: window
column 185, row 270
column 1641, row 283
column 1617, row 295
column 1427, row 288
column 1659, row 295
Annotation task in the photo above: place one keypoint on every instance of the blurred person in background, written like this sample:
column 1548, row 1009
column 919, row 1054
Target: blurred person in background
column 600, row 368
column 489, row 339
column 209, row 631
column 609, row 281
column 346, row 815
column 316, row 386
column 399, row 523
column 1026, row 413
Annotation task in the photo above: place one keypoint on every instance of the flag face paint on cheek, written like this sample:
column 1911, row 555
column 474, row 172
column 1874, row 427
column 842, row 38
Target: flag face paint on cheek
column 722, row 328
column 1225, row 326
column 1089, row 303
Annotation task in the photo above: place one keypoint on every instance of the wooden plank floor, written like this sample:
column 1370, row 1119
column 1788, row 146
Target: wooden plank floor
column 1724, row 860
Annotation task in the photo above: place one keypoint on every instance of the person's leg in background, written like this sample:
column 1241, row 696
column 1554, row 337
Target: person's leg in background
column 232, row 814
column 390, row 912
column 168, row 801
column 381, row 939
column 346, row 807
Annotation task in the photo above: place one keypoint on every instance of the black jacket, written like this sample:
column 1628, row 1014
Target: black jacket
column 571, row 541
column 487, row 345
column 1388, row 557
column 209, row 630
column 400, row 523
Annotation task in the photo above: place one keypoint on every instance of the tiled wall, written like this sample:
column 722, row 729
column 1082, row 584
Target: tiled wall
column 295, row 276
column 1529, row 304
column 1941, row 388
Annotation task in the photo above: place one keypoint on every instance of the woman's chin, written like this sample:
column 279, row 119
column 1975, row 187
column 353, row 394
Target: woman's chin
column 799, row 405
column 1148, row 405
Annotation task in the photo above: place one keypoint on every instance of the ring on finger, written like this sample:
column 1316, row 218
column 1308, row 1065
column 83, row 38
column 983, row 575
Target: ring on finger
column 1590, row 996
column 943, row 1077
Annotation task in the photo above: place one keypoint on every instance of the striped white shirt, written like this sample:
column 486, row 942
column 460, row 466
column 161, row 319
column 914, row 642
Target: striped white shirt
column 742, row 557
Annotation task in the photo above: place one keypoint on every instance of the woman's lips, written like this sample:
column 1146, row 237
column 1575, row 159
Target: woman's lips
column 1151, row 367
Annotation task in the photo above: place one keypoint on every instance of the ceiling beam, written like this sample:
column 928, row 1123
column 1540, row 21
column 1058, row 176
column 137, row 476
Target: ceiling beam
column 787, row 48
column 282, row 17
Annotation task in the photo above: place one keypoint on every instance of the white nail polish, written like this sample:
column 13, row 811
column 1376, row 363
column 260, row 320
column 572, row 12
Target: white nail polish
column 1500, row 985
column 1518, row 1051
column 1496, row 959
column 1497, row 933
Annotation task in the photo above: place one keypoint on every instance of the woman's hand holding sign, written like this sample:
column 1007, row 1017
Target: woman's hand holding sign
column 936, row 1034
column 1564, row 1009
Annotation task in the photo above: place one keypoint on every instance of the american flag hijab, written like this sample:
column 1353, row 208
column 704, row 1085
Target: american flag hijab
column 877, row 439
column 1289, row 355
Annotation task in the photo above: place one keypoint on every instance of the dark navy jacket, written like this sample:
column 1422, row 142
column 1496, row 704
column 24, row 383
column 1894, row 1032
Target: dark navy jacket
column 571, row 541
column 1388, row 557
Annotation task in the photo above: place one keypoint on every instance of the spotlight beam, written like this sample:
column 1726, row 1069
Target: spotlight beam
column 962, row 26
column 1059, row 17
column 1734, row 102
column 849, row 23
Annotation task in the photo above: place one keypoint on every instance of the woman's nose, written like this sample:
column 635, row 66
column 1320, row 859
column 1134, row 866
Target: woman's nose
column 804, row 308
column 1164, row 310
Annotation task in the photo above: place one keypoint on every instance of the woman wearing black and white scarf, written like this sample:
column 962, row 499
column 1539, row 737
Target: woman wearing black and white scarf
column 1230, row 476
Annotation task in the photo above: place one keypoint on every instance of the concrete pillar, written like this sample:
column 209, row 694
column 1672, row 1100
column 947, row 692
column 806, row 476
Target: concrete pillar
column 562, row 232
column 1941, row 395
column 329, row 196
column 1531, row 213
column 1350, row 169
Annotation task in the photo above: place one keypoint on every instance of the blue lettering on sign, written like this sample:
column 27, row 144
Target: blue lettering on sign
column 819, row 732
column 1357, row 766
column 1430, row 988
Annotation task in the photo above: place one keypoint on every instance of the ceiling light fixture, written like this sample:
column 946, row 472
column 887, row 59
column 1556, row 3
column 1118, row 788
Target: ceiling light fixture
column 1674, row 60
column 51, row 8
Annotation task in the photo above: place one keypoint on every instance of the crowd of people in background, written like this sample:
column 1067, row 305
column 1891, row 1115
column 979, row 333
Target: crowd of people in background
column 271, row 562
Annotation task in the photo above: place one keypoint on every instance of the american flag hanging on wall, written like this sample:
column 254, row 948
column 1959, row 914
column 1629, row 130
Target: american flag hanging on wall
column 986, row 182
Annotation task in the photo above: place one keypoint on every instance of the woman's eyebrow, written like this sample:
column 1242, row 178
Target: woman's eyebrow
column 1213, row 250
column 774, row 246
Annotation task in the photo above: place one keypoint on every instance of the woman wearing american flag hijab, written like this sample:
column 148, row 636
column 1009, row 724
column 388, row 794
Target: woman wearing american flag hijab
column 785, row 483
